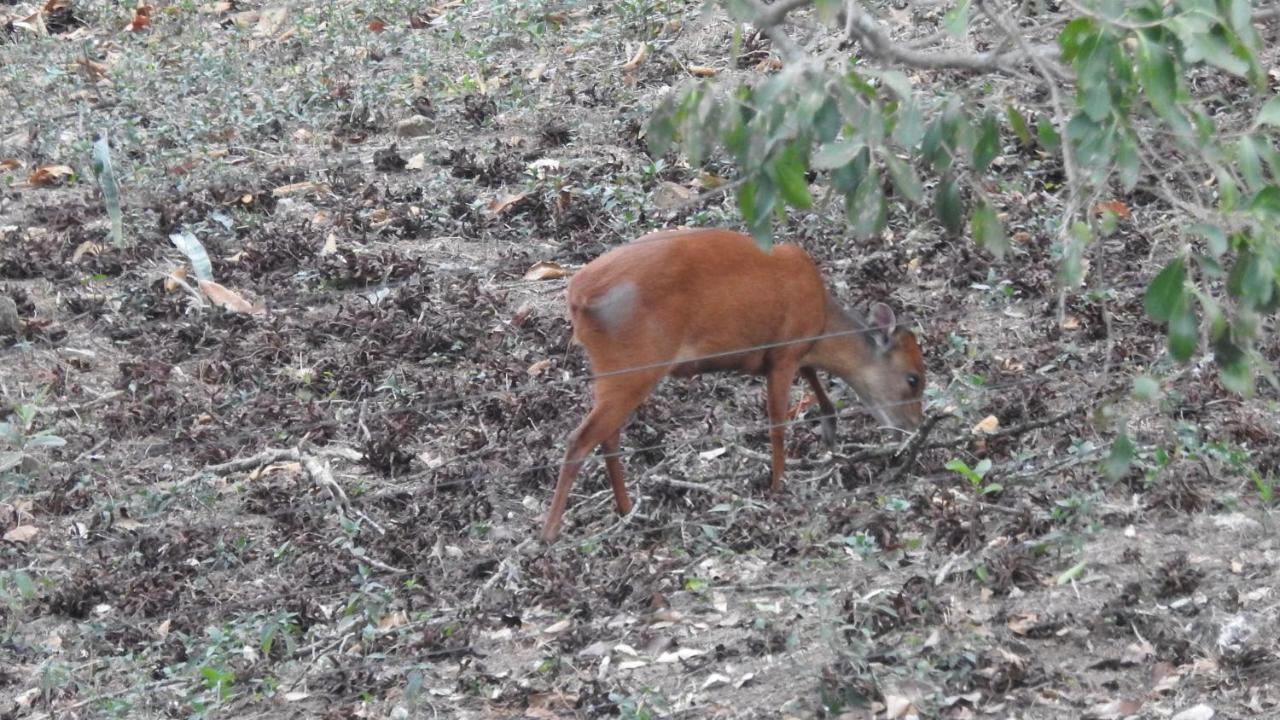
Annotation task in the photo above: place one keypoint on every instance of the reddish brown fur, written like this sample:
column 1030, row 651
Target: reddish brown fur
column 661, row 305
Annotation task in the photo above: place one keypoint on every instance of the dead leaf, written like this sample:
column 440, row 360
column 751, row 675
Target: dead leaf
column 22, row 533
column 1199, row 712
column 987, row 426
column 228, row 299
column 503, row 203
column 703, row 71
column 141, row 19
column 896, row 706
column 545, row 270
column 50, row 175
column 771, row 64
column 536, row 72
column 10, row 164
column 684, row 653
column 175, row 279
column 1022, row 623
column 393, row 620
column 1115, row 207
column 93, row 69
column 88, row 247
column 417, row 162
column 298, row 188
column 330, row 245
column 539, row 367
column 33, row 23
column 1071, row 322
column 669, row 196
column 377, row 25
column 637, row 58
column 269, row 21
column 1114, row 710
column 714, row 680
column 557, row 627
column 1137, row 653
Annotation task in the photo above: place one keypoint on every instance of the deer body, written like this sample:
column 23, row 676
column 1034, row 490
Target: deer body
column 690, row 301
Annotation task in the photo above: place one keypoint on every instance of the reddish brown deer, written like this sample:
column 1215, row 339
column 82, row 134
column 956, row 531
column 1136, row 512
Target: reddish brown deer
column 689, row 301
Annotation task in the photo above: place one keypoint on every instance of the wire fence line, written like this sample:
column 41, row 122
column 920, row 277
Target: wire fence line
column 532, row 383
column 721, row 435
column 462, row 397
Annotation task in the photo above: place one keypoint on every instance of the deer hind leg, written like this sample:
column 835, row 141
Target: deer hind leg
column 613, row 464
column 828, row 409
column 616, row 397
column 777, row 390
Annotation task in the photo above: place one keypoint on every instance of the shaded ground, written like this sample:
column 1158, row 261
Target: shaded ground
column 402, row 348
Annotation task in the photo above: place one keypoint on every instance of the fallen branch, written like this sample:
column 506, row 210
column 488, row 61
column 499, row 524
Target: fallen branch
column 914, row 445
column 78, row 407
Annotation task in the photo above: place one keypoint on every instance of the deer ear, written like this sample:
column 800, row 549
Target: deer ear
column 882, row 321
column 882, row 317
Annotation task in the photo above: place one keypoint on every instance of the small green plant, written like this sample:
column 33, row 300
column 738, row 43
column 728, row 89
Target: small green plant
column 644, row 705
column 975, row 475
column 18, row 438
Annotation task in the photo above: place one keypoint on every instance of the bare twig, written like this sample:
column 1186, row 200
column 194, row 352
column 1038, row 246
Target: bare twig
column 862, row 26
column 913, row 446
column 78, row 407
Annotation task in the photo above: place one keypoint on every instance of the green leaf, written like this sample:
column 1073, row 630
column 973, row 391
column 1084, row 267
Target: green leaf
column 988, row 231
column 956, row 21
column 933, row 146
column 1128, row 164
column 1184, row 331
column 1248, row 161
column 1270, row 113
column 1266, row 204
column 956, row 465
column 948, row 206
column 788, row 170
column 1252, row 279
column 866, row 207
column 1214, row 237
column 1073, row 573
column 1048, row 135
column 904, row 178
column 1018, row 123
column 1073, row 35
column 105, row 170
column 909, row 128
column 1158, row 75
column 1145, row 388
column 661, row 128
column 987, row 146
column 1121, row 457
column 756, row 200
column 1167, row 293
column 1238, row 378
column 845, row 179
column 1213, row 48
column 836, row 154
column 1228, row 193
column 1071, row 273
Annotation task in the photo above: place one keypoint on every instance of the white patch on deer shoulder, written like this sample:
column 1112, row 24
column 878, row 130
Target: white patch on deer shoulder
column 615, row 306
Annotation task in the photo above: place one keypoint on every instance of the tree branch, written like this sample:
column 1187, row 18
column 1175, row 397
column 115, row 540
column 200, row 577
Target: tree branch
column 862, row 26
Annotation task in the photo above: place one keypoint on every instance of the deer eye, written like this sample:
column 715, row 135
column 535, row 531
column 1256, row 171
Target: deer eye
column 913, row 380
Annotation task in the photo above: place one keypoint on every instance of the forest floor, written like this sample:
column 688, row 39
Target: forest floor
column 325, row 506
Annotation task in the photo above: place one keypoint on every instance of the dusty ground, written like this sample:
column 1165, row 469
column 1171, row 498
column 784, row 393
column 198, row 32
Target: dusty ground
column 403, row 353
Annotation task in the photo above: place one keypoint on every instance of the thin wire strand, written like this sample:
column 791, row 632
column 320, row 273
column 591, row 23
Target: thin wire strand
column 850, row 412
